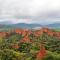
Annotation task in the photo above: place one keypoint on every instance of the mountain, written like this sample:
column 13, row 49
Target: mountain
column 54, row 25
column 29, row 26
column 2, row 26
column 24, row 25
column 18, row 25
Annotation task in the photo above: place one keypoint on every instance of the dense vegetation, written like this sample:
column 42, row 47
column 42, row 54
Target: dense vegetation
column 28, row 46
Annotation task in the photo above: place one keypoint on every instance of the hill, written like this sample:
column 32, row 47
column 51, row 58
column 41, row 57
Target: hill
column 54, row 25
column 26, row 44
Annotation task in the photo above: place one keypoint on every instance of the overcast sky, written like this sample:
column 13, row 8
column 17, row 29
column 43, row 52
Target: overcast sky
column 30, row 11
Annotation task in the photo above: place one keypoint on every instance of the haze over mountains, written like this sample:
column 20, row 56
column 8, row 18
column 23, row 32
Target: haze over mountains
column 28, row 26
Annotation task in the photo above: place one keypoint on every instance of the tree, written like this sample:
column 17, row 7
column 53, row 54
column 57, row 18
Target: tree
column 24, row 47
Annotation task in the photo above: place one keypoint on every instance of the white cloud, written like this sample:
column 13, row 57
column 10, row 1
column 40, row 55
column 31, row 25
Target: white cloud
column 38, row 10
column 14, row 20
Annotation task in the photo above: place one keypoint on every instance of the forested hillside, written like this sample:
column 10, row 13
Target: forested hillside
column 25, row 44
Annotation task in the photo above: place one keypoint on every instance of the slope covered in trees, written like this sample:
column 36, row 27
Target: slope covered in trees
column 24, row 44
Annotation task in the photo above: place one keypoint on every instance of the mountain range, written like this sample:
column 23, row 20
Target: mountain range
column 29, row 26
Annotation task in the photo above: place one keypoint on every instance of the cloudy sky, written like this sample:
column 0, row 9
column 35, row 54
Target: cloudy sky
column 30, row 11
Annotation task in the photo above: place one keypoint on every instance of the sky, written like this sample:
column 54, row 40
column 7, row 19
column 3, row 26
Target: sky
column 30, row 11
